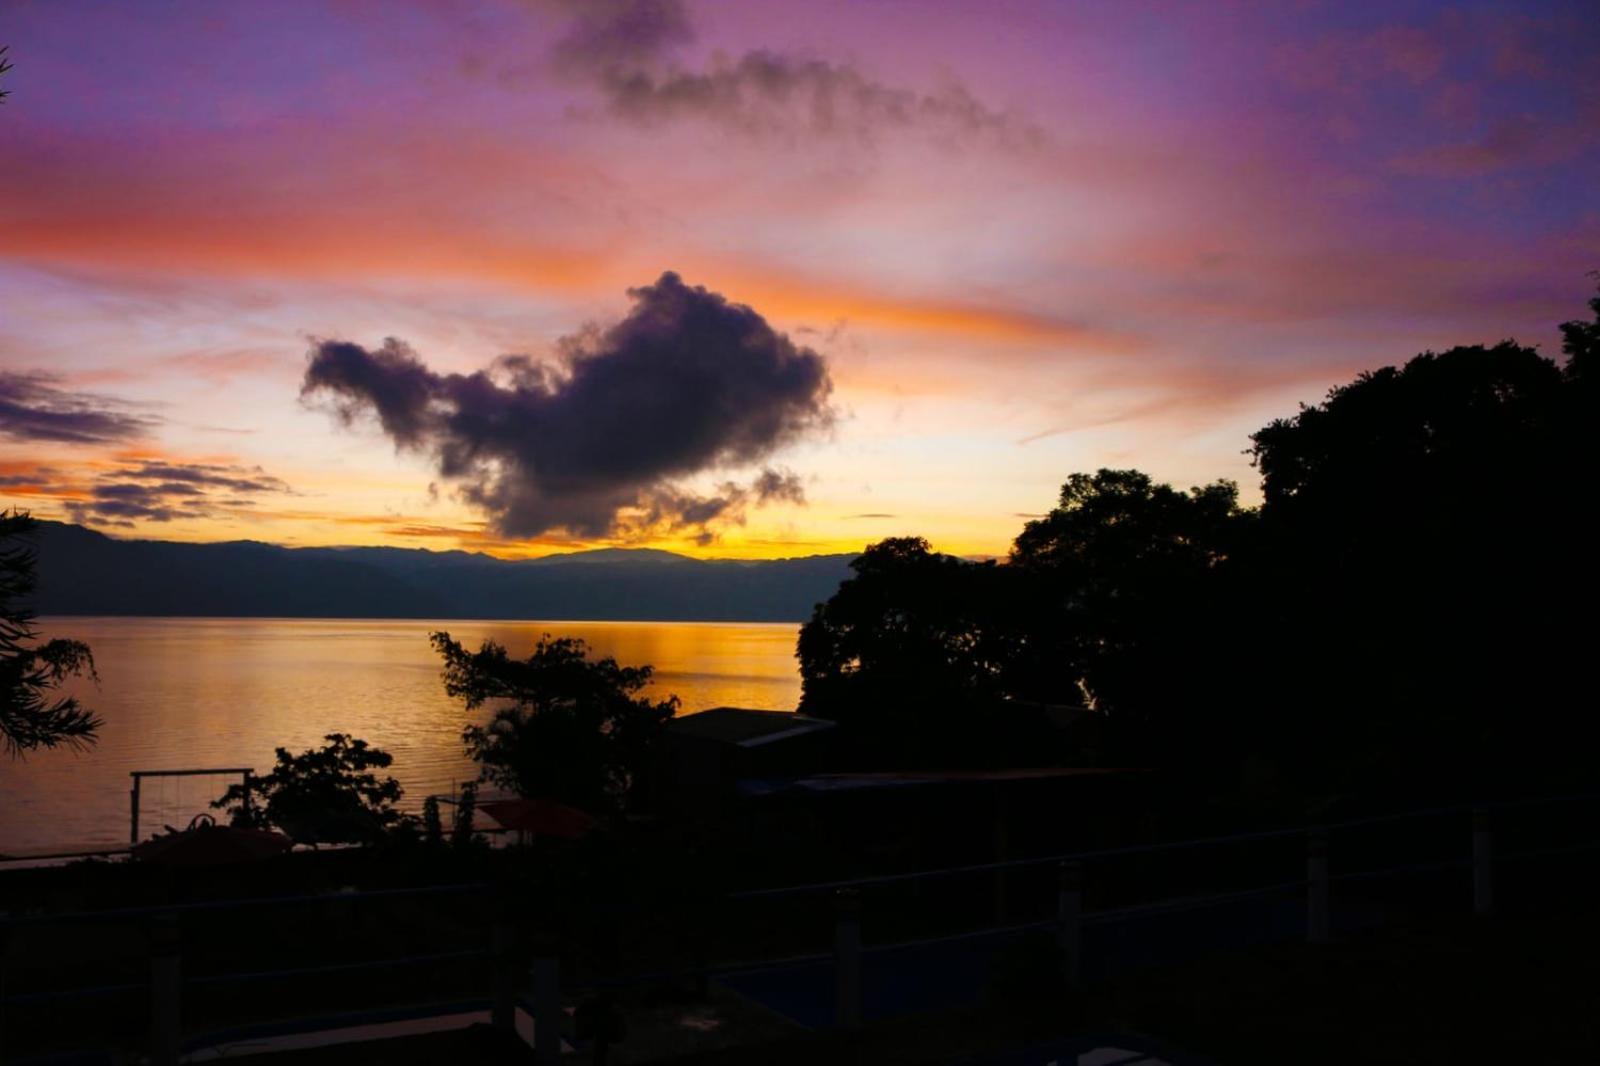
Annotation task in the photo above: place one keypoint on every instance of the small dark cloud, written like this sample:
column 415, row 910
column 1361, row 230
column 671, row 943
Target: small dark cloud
column 1027, row 514
column 599, row 441
column 209, row 475
column 1515, row 142
column 669, row 510
column 33, row 407
column 161, row 491
column 873, row 514
column 624, row 49
column 605, row 33
column 425, row 530
column 779, row 486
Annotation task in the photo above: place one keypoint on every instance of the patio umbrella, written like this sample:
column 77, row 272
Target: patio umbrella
column 539, row 818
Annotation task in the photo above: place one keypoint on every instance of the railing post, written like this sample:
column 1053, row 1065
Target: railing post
column 503, row 1001
column 1317, row 901
column 847, row 958
column 166, row 991
column 504, row 958
column 1482, row 863
column 1069, row 921
column 546, row 974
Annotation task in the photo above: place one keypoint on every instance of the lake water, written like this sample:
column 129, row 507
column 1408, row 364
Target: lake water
column 222, row 692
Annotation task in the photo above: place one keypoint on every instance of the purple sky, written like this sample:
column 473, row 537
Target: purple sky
column 1026, row 239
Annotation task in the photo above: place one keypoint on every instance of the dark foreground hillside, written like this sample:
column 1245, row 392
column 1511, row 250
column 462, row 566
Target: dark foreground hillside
column 86, row 573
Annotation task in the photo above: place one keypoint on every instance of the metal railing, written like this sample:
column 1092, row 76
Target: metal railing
column 508, row 980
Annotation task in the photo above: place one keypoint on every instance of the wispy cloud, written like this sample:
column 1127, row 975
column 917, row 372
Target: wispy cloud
column 34, row 407
column 629, row 52
column 131, row 490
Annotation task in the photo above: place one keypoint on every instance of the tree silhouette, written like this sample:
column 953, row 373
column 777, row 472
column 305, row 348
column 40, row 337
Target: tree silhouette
column 575, row 729
column 31, row 717
column 1123, row 573
column 912, row 657
column 1399, row 614
column 1581, row 342
column 1426, row 519
column 326, row 795
column 5, row 67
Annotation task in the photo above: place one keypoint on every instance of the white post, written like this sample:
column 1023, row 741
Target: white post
column 1317, row 901
column 847, row 959
column 1069, row 921
column 166, row 992
column 1482, row 863
column 546, row 973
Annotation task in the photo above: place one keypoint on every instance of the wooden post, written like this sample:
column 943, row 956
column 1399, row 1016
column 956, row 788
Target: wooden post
column 546, row 973
column 1317, row 901
column 1482, row 863
column 1069, row 921
column 166, row 991
column 847, row 958
column 133, row 803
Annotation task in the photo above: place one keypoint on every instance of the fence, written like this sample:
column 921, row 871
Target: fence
column 1461, row 858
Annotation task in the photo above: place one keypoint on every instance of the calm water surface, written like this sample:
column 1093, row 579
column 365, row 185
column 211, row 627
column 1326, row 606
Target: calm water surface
column 215, row 692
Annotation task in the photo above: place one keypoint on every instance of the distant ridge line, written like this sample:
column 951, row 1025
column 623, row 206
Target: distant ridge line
column 84, row 572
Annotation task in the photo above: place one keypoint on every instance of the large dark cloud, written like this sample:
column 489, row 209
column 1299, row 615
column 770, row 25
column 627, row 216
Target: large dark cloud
column 164, row 491
column 599, row 441
column 34, row 408
column 625, row 50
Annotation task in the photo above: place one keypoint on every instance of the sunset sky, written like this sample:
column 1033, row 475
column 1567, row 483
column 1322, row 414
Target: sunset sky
column 982, row 245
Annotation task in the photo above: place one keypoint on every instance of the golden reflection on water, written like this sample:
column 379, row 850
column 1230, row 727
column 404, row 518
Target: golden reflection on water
column 198, row 692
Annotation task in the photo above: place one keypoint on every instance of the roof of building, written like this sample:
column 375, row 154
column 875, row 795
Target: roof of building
column 916, row 779
column 746, row 728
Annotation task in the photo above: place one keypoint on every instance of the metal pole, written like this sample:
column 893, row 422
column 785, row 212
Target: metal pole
column 847, row 958
column 1482, row 863
column 1069, row 921
column 546, row 973
column 166, row 991
column 133, row 803
column 1317, row 901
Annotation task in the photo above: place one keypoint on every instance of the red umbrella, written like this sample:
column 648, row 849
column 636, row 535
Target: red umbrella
column 539, row 817
column 205, row 844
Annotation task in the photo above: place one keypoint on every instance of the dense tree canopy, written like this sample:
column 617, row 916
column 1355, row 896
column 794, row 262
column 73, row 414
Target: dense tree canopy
column 568, row 727
column 1123, row 571
column 32, row 715
column 1580, row 341
column 326, row 795
column 908, row 650
column 1426, row 518
column 1402, row 612
column 1119, row 575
